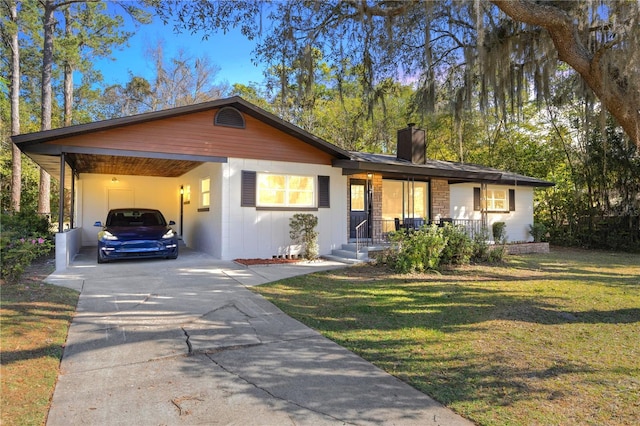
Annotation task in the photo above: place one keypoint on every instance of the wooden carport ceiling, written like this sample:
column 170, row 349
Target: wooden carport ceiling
column 139, row 166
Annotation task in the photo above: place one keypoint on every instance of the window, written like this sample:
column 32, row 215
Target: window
column 285, row 190
column 496, row 200
column 401, row 199
column 357, row 197
column 205, row 192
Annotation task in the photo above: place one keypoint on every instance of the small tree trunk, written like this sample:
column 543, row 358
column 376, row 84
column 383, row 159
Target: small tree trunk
column 44, row 188
column 68, row 77
column 16, row 158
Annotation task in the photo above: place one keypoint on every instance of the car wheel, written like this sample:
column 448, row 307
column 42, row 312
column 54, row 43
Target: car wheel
column 100, row 258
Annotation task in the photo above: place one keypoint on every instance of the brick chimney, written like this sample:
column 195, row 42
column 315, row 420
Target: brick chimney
column 412, row 145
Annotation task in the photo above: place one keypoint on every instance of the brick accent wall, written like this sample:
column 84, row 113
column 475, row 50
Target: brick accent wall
column 440, row 200
column 376, row 214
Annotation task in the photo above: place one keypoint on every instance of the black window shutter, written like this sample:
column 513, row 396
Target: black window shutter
column 323, row 192
column 248, row 189
column 512, row 200
column 476, row 199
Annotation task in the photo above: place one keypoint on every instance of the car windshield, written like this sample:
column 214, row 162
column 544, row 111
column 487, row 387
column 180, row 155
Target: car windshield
column 133, row 217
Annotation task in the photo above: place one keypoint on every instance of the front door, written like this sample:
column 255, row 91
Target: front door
column 359, row 191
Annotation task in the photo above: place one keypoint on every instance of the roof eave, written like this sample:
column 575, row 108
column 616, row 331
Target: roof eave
column 489, row 176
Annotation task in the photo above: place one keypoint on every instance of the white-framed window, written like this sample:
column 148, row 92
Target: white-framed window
column 185, row 190
column 205, row 192
column 497, row 200
column 357, row 197
column 276, row 190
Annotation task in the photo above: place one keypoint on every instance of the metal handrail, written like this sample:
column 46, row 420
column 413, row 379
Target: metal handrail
column 360, row 232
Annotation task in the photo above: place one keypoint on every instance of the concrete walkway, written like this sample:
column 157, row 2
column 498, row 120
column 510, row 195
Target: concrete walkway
column 184, row 342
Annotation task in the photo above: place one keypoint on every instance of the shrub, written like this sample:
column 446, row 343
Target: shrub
column 25, row 224
column 24, row 236
column 497, row 254
column 481, row 246
column 418, row 250
column 499, row 232
column 18, row 254
column 538, row 231
column 459, row 246
column 302, row 229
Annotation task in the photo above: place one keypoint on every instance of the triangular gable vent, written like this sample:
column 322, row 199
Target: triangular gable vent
column 230, row 117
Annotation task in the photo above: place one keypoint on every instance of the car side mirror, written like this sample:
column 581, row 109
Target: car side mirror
column 172, row 222
column 98, row 223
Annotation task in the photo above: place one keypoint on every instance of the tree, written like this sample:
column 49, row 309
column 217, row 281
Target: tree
column 88, row 14
column 178, row 81
column 10, row 32
column 465, row 50
column 609, row 65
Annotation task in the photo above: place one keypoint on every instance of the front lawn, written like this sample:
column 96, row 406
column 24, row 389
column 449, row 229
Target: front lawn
column 34, row 318
column 542, row 339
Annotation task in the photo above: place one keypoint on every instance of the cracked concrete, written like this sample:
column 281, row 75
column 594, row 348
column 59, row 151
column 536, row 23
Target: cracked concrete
column 184, row 342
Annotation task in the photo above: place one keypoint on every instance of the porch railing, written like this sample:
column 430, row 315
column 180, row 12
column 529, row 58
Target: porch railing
column 361, row 235
column 380, row 228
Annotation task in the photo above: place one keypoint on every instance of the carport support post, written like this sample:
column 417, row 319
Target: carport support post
column 61, row 202
column 72, row 207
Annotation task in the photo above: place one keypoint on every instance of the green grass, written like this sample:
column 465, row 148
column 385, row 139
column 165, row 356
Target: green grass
column 542, row 339
column 34, row 319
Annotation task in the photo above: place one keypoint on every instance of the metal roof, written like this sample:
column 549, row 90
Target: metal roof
column 361, row 162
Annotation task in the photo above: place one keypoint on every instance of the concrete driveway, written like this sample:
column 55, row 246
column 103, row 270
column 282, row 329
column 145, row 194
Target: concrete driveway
column 185, row 342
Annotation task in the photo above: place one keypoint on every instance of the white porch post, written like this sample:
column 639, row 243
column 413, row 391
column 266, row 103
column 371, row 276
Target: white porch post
column 61, row 194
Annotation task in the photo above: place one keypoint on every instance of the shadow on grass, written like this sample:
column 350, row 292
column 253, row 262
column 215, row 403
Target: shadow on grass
column 33, row 318
column 51, row 351
column 402, row 303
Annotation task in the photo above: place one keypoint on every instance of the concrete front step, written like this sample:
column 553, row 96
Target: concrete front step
column 348, row 254
column 344, row 260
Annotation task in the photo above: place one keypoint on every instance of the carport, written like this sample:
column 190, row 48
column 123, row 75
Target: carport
column 103, row 148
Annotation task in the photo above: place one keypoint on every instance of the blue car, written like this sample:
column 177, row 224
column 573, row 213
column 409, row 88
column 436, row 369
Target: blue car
column 136, row 233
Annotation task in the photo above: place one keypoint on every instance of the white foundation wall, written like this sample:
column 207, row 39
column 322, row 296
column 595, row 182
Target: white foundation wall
column 518, row 221
column 98, row 193
column 248, row 232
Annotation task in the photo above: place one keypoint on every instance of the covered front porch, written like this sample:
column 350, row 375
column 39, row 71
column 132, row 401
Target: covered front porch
column 382, row 203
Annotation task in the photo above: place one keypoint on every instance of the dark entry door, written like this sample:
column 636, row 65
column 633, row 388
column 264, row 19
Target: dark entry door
column 360, row 193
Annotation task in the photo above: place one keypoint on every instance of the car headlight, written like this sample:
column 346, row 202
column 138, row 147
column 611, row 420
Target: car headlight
column 169, row 234
column 107, row 236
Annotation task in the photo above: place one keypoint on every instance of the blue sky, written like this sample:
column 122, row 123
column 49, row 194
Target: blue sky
column 231, row 52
